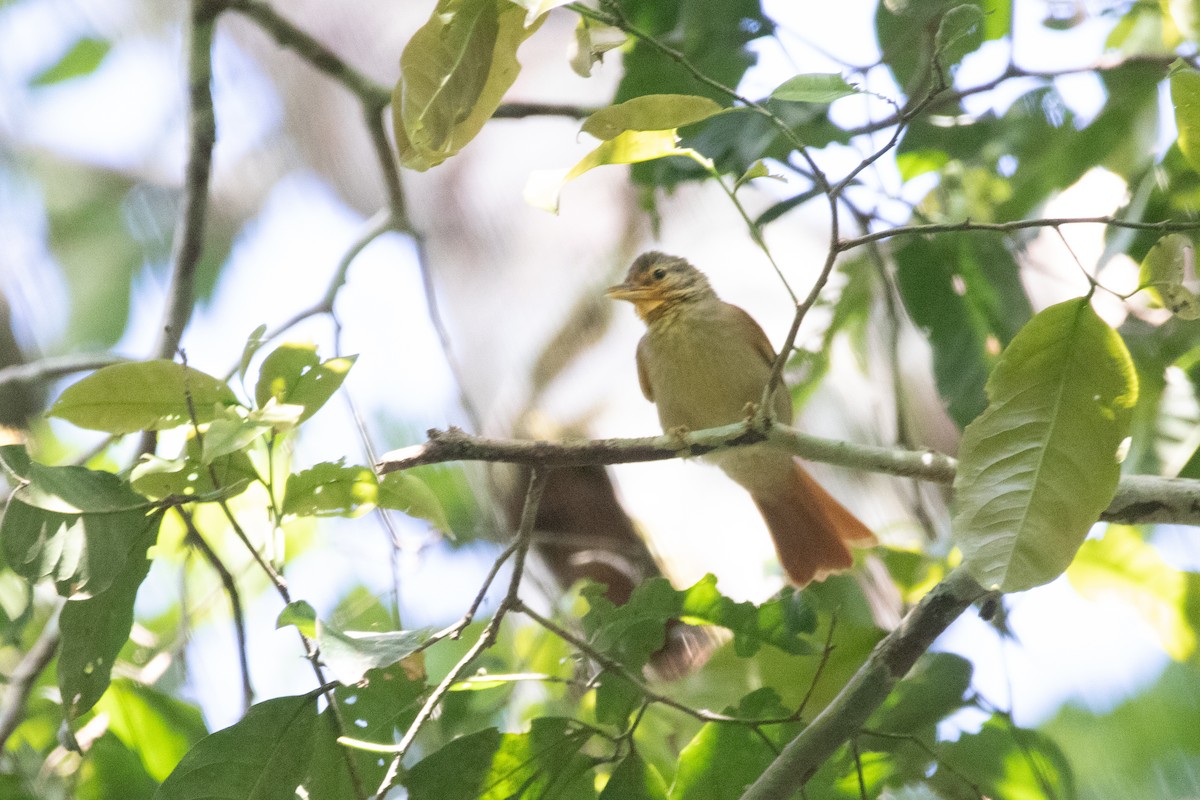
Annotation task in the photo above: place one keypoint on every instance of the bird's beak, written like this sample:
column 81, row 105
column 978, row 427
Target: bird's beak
column 630, row 292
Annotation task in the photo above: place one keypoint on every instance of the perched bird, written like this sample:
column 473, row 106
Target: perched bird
column 701, row 362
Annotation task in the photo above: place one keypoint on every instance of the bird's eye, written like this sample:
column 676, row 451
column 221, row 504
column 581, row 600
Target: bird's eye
column 659, row 274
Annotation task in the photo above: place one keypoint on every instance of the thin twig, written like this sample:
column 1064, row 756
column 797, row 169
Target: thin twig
column 1164, row 227
column 235, row 600
column 53, row 367
column 533, row 497
column 24, row 678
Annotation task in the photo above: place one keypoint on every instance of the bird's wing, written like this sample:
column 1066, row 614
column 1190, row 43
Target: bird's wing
column 762, row 345
column 643, row 377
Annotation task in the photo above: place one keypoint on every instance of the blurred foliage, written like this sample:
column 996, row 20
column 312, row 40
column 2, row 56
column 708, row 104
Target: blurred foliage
column 574, row 711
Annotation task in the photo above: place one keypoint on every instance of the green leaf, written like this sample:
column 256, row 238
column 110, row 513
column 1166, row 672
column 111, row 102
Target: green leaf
column 386, row 701
column 816, row 87
column 157, row 727
column 228, row 435
column 616, row 699
column 544, row 186
column 187, row 476
column 1123, row 566
column 453, row 73
column 1185, row 95
column 1040, row 464
column 263, row 756
column 142, row 396
column 408, row 493
column 254, row 342
column 1004, row 761
column 331, row 489
column 94, row 630
column 935, row 688
column 634, row 779
column 723, row 760
column 350, row 654
column 959, row 32
column 544, row 763
column 785, row 622
column 293, row 374
column 652, row 112
column 44, row 535
column 111, row 770
column 1171, row 262
column 84, row 58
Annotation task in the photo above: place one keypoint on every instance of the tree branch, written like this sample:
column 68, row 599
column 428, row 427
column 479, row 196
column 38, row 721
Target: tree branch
column 52, row 367
column 202, row 134
column 24, row 678
column 1139, row 498
column 890, row 661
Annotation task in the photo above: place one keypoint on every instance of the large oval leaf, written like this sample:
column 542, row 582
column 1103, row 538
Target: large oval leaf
column 142, row 396
column 1040, row 464
column 651, row 112
column 1185, row 96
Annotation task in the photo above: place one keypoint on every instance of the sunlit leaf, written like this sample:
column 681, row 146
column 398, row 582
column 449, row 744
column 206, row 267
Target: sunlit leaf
column 1171, row 262
column 229, row 434
column 253, row 343
column 1122, row 566
column 330, row 489
column 817, row 87
column 301, row 614
column 537, row 8
column 453, row 73
column 544, row 186
column 350, row 654
column 142, row 396
column 1040, row 464
column 263, row 756
column 294, row 375
column 159, row 728
column 634, row 779
column 1185, row 95
column 408, row 493
column 1004, row 761
column 652, row 112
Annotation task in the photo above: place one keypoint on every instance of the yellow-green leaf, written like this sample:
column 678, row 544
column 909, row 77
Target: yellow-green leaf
column 1040, row 464
column 142, row 396
column 453, row 73
column 817, row 87
column 544, row 186
column 651, row 112
column 410, row 494
column 1185, row 96
column 1171, row 262
column 1123, row 566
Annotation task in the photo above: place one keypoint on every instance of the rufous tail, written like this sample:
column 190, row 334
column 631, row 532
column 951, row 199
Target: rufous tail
column 812, row 531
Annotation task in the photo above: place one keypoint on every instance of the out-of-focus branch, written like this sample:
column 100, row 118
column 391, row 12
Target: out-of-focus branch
column 889, row 662
column 25, row 676
column 1164, row 227
column 202, row 135
column 533, row 496
column 1139, row 498
column 52, row 367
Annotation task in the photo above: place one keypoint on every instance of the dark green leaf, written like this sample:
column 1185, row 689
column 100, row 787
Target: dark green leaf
column 1040, row 464
column 934, row 689
column 94, row 630
column 616, row 699
column 264, row 756
column 785, row 622
column 142, row 396
column 112, row 770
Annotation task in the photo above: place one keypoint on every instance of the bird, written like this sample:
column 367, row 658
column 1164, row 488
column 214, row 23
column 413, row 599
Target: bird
column 702, row 362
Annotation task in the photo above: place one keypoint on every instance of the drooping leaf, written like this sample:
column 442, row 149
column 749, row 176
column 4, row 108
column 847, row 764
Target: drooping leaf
column 1123, row 566
column 634, row 779
column 544, row 186
column 254, row 342
column 1040, row 464
column 544, row 763
column 453, row 73
column 408, row 493
column 301, row 614
column 1185, row 95
column 817, row 87
column 94, row 630
column 263, row 756
column 84, row 58
column 142, row 396
column 653, row 112
column 331, row 489
column 1171, row 262
column 350, row 654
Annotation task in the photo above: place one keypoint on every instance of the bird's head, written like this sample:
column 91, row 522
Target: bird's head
column 658, row 282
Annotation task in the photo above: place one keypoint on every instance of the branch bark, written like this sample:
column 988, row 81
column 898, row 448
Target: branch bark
column 890, row 661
